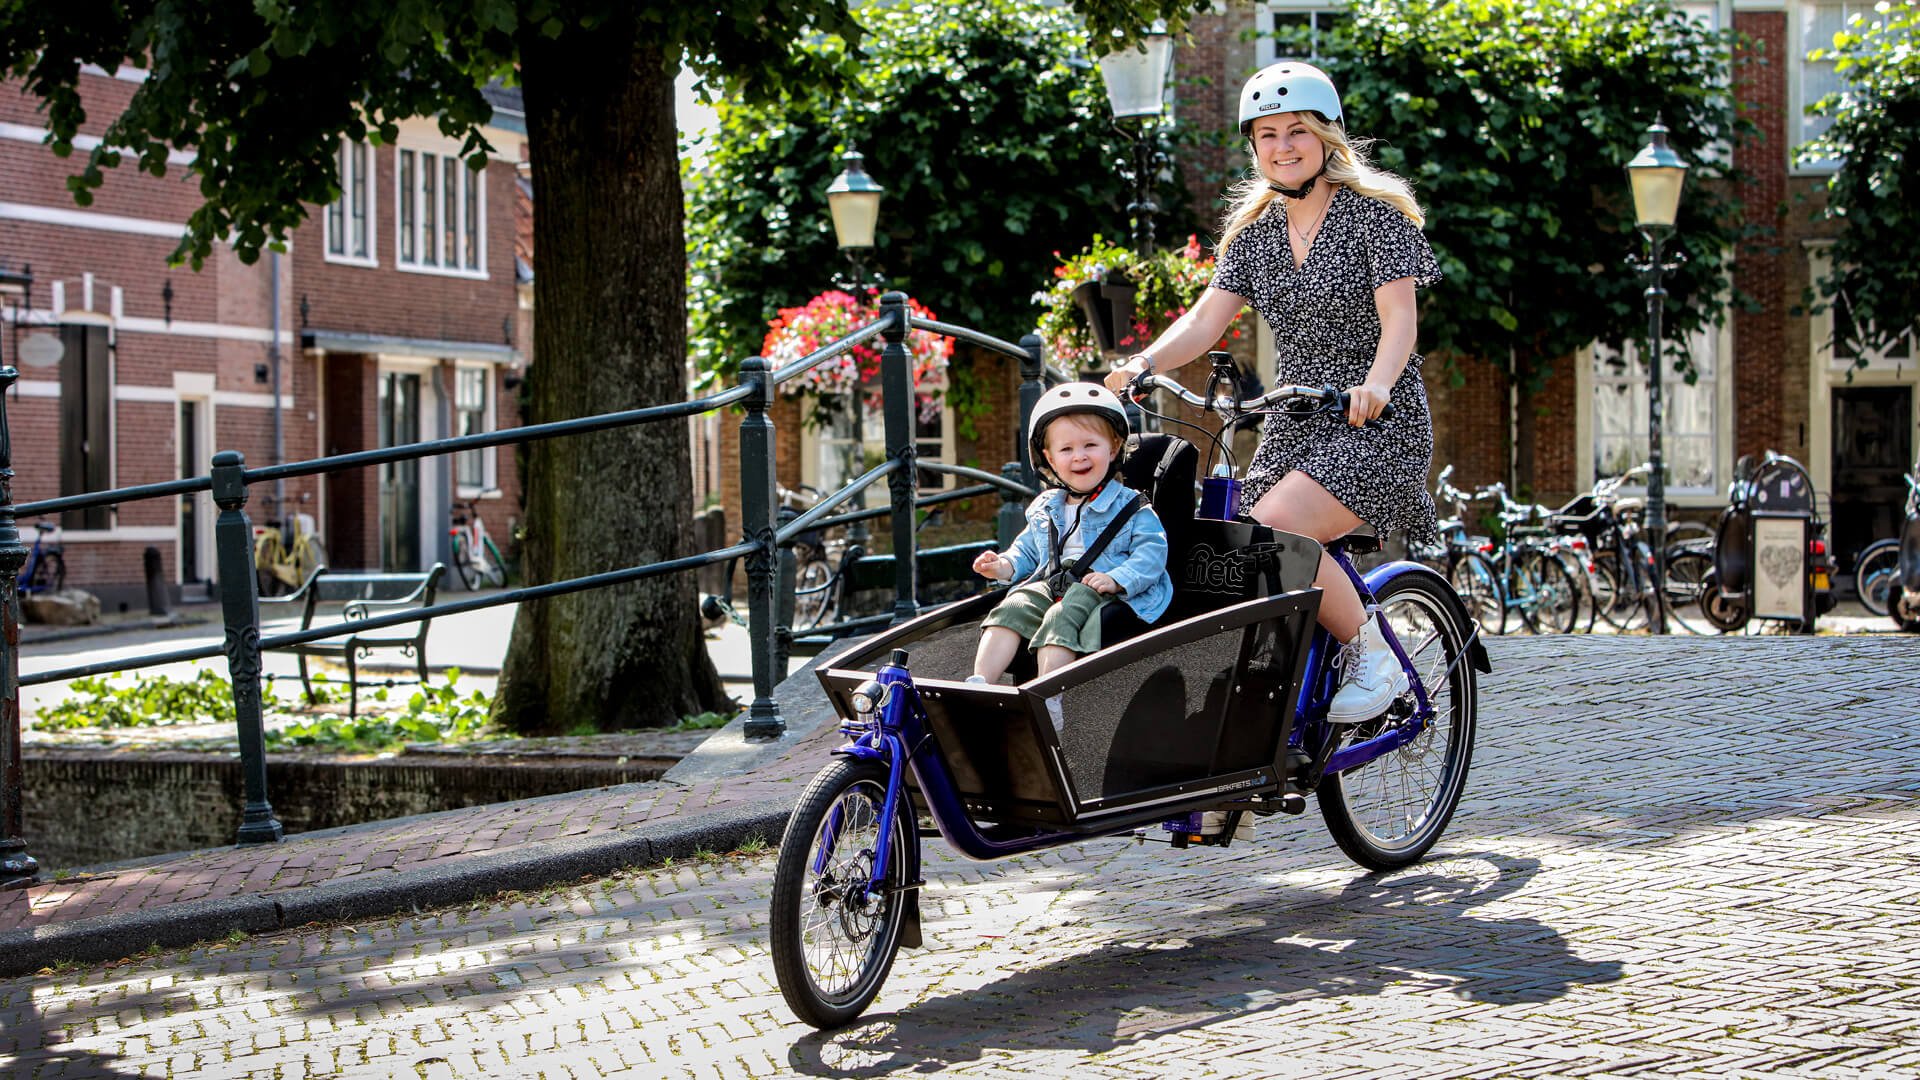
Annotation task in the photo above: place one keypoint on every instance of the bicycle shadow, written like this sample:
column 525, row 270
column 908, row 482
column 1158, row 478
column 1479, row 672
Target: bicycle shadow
column 1380, row 931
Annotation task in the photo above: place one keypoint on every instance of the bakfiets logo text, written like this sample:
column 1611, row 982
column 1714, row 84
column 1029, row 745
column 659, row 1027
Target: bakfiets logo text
column 1226, row 571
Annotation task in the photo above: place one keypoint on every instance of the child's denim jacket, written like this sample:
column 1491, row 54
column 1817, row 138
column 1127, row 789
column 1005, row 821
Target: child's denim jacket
column 1136, row 559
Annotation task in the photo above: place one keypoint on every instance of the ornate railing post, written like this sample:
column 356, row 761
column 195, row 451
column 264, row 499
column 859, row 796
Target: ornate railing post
column 240, row 610
column 17, row 868
column 1013, row 513
column 1033, row 383
column 759, row 507
column 896, row 389
column 785, row 578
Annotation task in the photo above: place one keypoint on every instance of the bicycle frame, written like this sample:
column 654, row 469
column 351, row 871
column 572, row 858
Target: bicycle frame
column 898, row 731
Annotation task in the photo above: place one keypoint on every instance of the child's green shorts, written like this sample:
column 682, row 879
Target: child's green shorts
column 1073, row 623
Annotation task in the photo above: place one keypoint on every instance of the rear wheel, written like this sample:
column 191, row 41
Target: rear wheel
column 1553, row 600
column 49, row 574
column 1388, row 812
column 493, row 574
column 1626, row 607
column 1473, row 579
column 1875, row 573
column 833, row 939
column 1686, row 580
column 463, row 564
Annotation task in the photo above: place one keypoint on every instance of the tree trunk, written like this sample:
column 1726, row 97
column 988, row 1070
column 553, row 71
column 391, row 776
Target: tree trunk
column 610, row 334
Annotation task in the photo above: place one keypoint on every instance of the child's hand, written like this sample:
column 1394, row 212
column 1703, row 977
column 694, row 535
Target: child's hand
column 1100, row 583
column 989, row 564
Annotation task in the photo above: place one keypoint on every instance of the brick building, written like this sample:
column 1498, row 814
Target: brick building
column 396, row 315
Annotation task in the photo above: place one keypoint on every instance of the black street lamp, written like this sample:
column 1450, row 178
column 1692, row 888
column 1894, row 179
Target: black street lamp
column 1656, row 175
column 1136, row 81
column 854, row 199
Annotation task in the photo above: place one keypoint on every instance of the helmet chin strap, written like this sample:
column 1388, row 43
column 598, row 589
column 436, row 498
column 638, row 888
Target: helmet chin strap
column 1304, row 189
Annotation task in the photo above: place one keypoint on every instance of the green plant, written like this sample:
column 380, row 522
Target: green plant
column 1873, row 286
column 146, row 701
column 434, row 713
column 705, row 721
column 1166, row 284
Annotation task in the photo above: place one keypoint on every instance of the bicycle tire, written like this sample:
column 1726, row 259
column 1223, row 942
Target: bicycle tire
column 812, row 594
column 1686, row 582
column 49, row 573
column 308, row 555
column 1474, row 581
column 1625, row 609
column 1582, row 586
column 842, row 805
column 496, row 572
column 463, row 564
column 1423, row 615
column 1875, row 573
column 1553, row 601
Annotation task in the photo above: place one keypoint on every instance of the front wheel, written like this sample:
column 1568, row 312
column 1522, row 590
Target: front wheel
column 1875, row 573
column 833, row 936
column 1387, row 813
column 1688, row 573
column 1478, row 587
column 49, row 574
column 1552, row 603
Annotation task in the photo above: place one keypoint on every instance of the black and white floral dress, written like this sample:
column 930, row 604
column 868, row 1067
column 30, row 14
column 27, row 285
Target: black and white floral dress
column 1325, row 330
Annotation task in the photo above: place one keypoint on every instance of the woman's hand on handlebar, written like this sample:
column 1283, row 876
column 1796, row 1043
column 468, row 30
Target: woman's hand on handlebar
column 1364, row 403
column 1125, row 373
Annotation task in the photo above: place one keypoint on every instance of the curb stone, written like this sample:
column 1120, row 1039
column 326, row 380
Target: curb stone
column 533, row 866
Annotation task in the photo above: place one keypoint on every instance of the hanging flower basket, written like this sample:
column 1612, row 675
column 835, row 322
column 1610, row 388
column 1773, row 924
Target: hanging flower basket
column 801, row 331
column 1108, row 302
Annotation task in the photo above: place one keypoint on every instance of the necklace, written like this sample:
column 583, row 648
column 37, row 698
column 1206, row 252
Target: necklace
column 1306, row 236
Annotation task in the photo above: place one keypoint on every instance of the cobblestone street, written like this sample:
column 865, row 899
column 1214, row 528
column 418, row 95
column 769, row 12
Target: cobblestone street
column 1681, row 857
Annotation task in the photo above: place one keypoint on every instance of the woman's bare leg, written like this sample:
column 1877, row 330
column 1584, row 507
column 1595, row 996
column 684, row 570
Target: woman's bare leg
column 1298, row 504
column 997, row 646
column 1054, row 657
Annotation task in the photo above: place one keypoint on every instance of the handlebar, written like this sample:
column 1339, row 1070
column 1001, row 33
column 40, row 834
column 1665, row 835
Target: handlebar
column 1229, row 407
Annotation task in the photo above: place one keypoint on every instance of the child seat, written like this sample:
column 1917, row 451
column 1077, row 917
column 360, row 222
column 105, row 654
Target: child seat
column 1163, row 467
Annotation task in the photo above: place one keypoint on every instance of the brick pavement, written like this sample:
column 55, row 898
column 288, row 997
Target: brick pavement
column 1674, row 858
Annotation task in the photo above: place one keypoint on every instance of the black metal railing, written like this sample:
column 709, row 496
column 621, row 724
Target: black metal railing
column 766, row 549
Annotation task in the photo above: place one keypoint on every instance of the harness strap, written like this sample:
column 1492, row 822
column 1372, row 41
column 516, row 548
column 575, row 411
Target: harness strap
column 1054, row 569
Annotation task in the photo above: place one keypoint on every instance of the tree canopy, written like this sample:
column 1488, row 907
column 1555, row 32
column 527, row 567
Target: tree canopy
column 1513, row 119
column 1874, row 285
column 990, row 132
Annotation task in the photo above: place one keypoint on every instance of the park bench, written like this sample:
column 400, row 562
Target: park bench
column 362, row 594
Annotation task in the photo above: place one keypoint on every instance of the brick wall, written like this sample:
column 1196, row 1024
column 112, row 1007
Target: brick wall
column 1208, row 72
column 1761, row 266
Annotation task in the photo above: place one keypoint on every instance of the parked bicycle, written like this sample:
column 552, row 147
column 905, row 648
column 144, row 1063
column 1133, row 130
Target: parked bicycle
column 1534, row 584
column 1459, row 558
column 282, row 564
column 1877, row 576
column 475, row 556
column 45, row 570
column 1620, row 563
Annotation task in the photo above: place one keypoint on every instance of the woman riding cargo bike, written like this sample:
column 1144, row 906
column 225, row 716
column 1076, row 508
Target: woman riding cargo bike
column 1240, row 699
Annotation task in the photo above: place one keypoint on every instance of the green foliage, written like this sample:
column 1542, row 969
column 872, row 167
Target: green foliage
column 1513, row 119
column 147, row 701
column 705, row 721
column 434, row 713
column 1874, row 285
column 993, row 141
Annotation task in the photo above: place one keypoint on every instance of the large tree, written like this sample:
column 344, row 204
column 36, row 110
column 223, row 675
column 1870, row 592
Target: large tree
column 1514, row 118
column 262, row 90
column 1874, row 285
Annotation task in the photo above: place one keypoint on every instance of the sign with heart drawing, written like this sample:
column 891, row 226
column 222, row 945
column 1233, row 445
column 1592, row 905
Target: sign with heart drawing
column 1780, row 554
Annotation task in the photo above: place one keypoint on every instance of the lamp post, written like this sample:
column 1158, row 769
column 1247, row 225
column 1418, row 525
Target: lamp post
column 1656, row 175
column 1136, row 81
column 854, row 199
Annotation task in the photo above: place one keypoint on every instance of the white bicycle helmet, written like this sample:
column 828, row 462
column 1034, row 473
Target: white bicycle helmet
column 1064, row 400
column 1288, row 86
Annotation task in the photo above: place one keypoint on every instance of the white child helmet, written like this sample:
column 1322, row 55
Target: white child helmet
column 1064, row 400
column 1288, row 86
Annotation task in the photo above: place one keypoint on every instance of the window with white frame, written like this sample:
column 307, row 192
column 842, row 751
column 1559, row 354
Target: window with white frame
column 1296, row 29
column 1689, row 432
column 473, row 403
column 350, row 217
column 1846, row 348
column 852, row 438
column 1819, row 21
column 441, row 220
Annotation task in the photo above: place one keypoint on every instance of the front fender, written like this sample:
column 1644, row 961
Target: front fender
column 1379, row 577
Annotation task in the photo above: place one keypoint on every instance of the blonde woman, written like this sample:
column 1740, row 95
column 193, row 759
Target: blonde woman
column 1329, row 251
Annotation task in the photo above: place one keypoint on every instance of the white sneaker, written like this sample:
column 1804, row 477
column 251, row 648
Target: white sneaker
column 981, row 679
column 1371, row 676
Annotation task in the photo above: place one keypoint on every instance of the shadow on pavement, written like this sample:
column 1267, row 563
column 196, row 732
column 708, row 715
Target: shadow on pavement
column 1414, row 927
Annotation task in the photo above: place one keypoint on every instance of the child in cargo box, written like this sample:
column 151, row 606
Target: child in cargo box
column 1075, row 436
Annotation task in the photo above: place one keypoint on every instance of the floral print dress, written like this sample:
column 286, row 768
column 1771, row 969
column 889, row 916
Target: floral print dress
column 1325, row 330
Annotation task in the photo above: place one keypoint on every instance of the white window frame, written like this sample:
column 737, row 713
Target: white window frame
column 1825, row 371
column 1263, row 49
column 1586, row 384
column 442, row 151
column 813, row 444
column 489, row 420
column 346, row 256
column 1799, row 44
